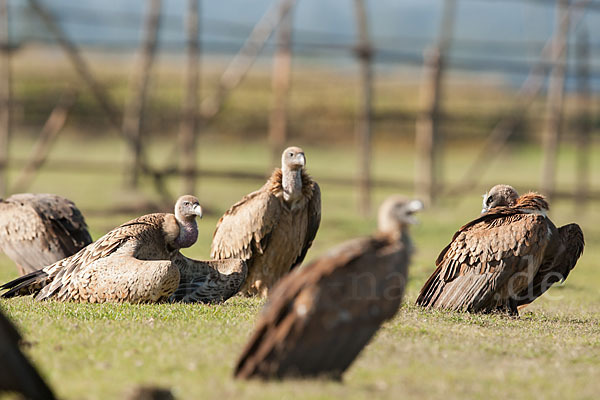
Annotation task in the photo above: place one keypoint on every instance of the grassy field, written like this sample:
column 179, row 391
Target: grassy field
column 101, row 351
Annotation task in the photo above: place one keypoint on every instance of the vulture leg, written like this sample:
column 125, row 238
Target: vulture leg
column 211, row 281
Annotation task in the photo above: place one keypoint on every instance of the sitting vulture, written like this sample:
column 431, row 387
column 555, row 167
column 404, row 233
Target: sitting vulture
column 17, row 374
column 320, row 317
column 504, row 259
column 273, row 227
column 135, row 262
column 39, row 229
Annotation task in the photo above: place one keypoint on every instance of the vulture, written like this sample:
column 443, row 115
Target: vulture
column 39, row 229
column 17, row 374
column 318, row 318
column 137, row 262
column 273, row 227
column 504, row 259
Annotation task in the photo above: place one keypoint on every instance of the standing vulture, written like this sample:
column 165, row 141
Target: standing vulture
column 320, row 317
column 39, row 229
column 504, row 259
column 17, row 374
column 273, row 227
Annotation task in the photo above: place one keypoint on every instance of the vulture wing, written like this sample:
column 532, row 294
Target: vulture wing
column 38, row 230
column 320, row 317
column 314, row 220
column 246, row 227
column 208, row 281
column 18, row 374
column 489, row 259
column 54, row 279
column 557, row 264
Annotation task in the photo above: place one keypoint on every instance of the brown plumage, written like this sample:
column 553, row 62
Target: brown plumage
column 320, row 317
column 17, row 374
column 504, row 259
column 37, row 230
column 273, row 227
column 130, row 263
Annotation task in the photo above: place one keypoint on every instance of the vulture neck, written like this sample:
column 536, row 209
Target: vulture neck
column 291, row 182
column 188, row 231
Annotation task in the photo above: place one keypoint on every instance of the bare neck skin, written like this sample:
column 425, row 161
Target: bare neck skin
column 188, row 230
column 291, row 181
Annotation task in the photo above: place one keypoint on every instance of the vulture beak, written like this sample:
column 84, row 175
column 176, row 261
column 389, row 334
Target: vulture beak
column 301, row 159
column 198, row 210
column 413, row 207
column 484, row 207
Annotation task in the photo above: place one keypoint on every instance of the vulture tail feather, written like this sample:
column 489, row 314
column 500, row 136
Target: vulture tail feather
column 23, row 285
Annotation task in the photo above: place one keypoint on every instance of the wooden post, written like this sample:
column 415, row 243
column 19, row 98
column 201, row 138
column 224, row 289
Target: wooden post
column 555, row 97
column 282, row 72
column 133, row 116
column 427, row 179
column 5, row 95
column 54, row 124
column 583, row 121
column 364, row 53
column 189, row 126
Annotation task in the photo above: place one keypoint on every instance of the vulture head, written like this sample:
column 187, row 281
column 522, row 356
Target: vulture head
column 396, row 213
column 187, row 208
column 293, row 158
column 499, row 195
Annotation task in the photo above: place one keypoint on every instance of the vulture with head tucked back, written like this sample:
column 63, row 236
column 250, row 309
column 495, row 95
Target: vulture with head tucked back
column 273, row 227
column 136, row 262
column 504, row 259
column 39, row 229
column 319, row 318
column 17, row 374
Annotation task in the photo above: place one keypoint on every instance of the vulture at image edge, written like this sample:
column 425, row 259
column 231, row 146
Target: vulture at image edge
column 318, row 318
column 17, row 374
column 504, row 259
column 137, row 262
column 37, row 230
column 273, row 227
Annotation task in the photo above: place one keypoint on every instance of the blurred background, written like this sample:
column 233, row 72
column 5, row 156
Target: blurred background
column 123, row 106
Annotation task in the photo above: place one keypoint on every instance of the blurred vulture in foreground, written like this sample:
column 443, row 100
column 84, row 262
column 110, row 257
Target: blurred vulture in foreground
column 136, row 262
column 320, row 317
column 504, row 259
column 39, row 229
column 273, row 227
column 17, row 374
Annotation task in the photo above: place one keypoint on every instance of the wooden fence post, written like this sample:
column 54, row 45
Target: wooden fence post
column 364, row 53
column 281, row 77
column 189, row 126
column 583, row 125
column 5, row 95
column 427, row 176
column 555, row 97
column 133, row 116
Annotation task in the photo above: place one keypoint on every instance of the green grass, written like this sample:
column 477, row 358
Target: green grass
column 101, row 351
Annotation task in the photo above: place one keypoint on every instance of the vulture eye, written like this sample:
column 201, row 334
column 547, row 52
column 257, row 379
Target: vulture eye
column 291, row 154
column 186, row 203
column 489, row 200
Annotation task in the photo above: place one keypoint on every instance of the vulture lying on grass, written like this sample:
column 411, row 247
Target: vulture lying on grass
column 136, row 262
column 273, row 227
column 504, row 259
column 320, row 317
column 39, row 229
column 17, row 374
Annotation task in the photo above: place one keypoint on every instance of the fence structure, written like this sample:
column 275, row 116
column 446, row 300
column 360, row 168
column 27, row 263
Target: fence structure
column 278, row 19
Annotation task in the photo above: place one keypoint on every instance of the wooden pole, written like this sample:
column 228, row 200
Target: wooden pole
column 5, row 95
column 282, row 72
column 427, row 179
column 583, row 128
column 555, row 97
column 240, row 65
column 364, row 53
column 54, row 124
column 189, row 127
column 133, row 116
